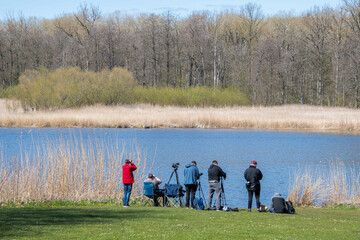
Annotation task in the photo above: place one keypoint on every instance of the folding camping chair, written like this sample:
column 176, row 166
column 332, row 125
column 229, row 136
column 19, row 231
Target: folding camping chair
column 149, row 194
column 173, row 195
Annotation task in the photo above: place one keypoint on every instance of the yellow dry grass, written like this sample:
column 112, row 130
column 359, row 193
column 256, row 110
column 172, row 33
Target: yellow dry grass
column 69, row 171
column 334, row 185
column 290, row 117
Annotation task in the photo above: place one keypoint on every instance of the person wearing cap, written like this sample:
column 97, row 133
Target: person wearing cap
column 253, row 175
column 215, row 173
column 128, row 180
column 156, row 182
column 191, row 175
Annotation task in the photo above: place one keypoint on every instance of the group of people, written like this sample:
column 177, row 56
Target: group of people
column 252, row 176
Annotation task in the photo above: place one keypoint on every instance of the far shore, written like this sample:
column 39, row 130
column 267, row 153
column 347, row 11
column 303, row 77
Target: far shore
column 283, row 118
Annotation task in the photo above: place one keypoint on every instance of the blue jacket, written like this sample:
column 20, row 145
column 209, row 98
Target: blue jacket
column 191, row 174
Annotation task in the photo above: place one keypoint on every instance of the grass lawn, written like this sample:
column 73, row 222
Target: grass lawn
column 115, row 222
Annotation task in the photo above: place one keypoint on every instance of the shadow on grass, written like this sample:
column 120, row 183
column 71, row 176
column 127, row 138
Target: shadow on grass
column 19, row 222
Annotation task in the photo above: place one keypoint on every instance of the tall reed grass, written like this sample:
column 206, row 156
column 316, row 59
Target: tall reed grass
column 69, row 171
column 290, row 117
column 332, row 186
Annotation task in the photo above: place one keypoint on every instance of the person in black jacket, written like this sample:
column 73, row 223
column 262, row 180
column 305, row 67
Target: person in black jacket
column 278, row 204
column 214, row 174
column 253, row 176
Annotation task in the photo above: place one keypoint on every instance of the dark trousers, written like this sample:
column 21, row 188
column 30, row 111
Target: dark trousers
column 158, row 193
column 190, row 190
column 257, row 197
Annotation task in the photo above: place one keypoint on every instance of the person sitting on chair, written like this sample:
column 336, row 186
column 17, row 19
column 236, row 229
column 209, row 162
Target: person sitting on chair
column 156, row 182
column 278, row 204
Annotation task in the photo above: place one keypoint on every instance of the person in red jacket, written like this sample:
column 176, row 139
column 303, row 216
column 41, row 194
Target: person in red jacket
column 128, row 180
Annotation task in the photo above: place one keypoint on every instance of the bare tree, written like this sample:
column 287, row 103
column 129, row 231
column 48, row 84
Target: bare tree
column 352, row 8
column 81, row 27
column 316, row 32
column 253, row 22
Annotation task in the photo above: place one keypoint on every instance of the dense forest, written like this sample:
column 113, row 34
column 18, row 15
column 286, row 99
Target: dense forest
column 283, row 59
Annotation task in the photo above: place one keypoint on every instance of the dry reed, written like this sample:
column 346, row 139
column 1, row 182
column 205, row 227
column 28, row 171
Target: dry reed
column 335, row 185
column 70, row 171
column 290, row 117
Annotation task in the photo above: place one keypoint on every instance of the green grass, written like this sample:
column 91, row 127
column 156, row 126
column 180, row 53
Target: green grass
column 115, row 222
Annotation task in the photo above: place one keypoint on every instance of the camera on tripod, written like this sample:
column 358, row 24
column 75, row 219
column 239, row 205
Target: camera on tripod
column 176, row 165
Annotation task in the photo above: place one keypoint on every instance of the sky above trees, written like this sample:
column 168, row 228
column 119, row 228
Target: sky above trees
column 52, row 9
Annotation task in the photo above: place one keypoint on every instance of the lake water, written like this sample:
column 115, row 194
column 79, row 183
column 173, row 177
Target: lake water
column 278, row 154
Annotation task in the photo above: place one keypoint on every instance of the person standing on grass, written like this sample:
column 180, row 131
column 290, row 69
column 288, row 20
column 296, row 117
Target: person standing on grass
column 253, row 176
column 128, row 180
column 191, row 175
column 215, row 173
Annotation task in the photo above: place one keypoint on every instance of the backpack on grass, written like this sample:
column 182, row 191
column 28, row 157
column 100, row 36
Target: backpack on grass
column 290, row 208
column 199, row 204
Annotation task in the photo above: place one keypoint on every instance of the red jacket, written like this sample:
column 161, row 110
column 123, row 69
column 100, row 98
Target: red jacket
column 127, row 175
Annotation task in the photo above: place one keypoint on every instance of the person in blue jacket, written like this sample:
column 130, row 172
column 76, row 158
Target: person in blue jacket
column 191, row 175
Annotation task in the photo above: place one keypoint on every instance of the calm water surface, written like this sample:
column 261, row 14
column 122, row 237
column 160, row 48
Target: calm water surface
column 278, row 153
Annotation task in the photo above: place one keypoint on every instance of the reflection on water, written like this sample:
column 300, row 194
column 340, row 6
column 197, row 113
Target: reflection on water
column 278, row 153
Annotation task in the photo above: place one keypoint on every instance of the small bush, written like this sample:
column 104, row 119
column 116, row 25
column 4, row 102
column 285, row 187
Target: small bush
column 198, row 96
column 70, row 87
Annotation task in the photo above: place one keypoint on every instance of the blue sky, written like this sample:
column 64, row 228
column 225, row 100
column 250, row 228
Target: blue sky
column 54, row 8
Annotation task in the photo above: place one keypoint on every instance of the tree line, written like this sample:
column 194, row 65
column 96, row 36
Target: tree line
column 283, row 59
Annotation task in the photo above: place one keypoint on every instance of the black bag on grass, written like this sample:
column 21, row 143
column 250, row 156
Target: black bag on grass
column 290, row 207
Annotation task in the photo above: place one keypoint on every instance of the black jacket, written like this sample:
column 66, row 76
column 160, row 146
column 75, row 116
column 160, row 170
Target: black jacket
column 215, row 172
column 253, row 175
column 278, row 204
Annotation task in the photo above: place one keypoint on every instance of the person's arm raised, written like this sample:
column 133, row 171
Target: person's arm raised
column 133, row 167
column 158, row 179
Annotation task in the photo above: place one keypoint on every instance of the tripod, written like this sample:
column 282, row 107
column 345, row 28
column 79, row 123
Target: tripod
column 223, row 198
column 200, row 191
column 176, row 175
column 179, row 187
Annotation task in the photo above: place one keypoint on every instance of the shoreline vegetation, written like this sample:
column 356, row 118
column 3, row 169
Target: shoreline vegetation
column 334, row 185
column 88, row 173
column 288, row 118
column 69, row 171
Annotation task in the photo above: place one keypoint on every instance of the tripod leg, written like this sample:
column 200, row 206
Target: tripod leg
column 223, row 193
column 177, row 177
column 171, row 176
